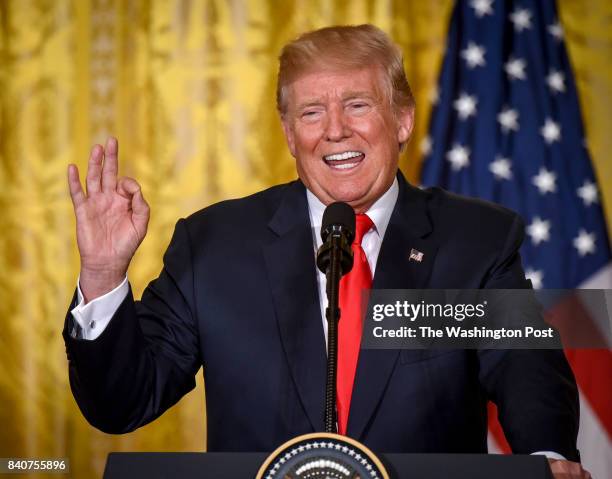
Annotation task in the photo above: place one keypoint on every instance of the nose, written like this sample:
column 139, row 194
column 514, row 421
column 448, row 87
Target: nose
column 337, row 127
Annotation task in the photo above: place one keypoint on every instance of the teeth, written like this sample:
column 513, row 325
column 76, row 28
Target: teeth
column 342, row 156
column 345, row 166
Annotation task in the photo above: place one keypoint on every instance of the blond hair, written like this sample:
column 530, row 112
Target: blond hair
column 344, row 47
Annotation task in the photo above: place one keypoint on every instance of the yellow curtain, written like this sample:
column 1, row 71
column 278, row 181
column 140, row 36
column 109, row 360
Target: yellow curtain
column 188, row 88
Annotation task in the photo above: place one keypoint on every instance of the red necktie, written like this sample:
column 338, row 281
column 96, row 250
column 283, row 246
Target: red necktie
column 350, row 325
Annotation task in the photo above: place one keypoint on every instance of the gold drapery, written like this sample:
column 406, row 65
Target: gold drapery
column 188, row 88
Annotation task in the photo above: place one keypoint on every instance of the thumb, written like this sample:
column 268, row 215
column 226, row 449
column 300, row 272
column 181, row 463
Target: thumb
column 130, row 189
column 140, row 213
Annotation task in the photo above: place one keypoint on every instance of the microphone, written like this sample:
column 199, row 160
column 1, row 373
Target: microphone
column 337, row 230
column 335, row 259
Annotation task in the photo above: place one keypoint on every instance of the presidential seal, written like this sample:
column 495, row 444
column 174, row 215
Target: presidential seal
column 322, row 456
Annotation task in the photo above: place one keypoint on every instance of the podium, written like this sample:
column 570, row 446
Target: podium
column 225, row 465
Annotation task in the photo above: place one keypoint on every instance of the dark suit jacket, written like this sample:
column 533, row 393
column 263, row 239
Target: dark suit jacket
column 238, row 294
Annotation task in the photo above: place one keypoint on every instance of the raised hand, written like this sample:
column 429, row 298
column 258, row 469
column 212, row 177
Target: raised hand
column 111, row 220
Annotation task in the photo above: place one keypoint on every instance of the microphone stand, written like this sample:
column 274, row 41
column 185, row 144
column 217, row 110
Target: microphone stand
column 332, row 314
column 335, row 257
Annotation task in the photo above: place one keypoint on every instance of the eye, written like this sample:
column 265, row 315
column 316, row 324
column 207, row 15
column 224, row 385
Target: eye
column 310, row 115
column 358, row 107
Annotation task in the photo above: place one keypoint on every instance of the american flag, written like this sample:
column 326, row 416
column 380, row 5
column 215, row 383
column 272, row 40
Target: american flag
column 506, row 127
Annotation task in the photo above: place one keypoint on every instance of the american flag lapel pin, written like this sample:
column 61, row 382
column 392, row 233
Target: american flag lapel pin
column 416, row 255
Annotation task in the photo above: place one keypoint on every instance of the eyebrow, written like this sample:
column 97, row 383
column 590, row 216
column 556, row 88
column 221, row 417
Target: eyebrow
column 309, row 103
column 357, row 94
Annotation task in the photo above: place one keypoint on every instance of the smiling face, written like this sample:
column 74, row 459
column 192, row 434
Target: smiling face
column 344, row 135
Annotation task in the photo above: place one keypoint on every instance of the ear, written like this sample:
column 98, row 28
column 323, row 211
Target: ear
column 289, row 135
column 405, row 120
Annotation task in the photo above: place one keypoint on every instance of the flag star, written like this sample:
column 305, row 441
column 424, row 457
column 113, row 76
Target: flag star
column 515, row 68
column 458, row 156
column 539, row 230
column 508, row 119
column 551, row 131
column 585, row 242
column 426, row 145
column 556, row 30
column 545, row 181
column 482, row 7
column 536, row 276
column 473, row 55
column 465, row 105
column 501, row 168
column 588, row 193
column 556, row 81
column 521, row 18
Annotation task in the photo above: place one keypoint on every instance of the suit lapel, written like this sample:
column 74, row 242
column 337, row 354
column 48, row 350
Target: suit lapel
column 291, row 267
column 408, row 230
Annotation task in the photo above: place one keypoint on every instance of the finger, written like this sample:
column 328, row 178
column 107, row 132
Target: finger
column 139, row 205
column 575, row 468
column 110, row 168
column 94, row 169
column 74, row 185
column 127, row 187
column 131, row 190
column 140, row 214
column 563, row 469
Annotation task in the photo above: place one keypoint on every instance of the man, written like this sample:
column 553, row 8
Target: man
column 239, row 292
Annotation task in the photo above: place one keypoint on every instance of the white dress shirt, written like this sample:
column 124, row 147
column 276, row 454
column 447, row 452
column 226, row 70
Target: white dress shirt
column 379, row 213
column 94, row 316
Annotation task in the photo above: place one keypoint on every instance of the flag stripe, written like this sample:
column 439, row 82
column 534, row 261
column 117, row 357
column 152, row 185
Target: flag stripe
column 591, row 368
column 595, row 446
column 496, row 433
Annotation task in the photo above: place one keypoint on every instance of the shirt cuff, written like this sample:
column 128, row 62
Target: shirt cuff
column 93, row 317
column 549, row 455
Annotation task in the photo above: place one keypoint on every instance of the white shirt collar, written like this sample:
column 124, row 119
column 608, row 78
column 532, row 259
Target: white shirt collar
column 379, row 212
